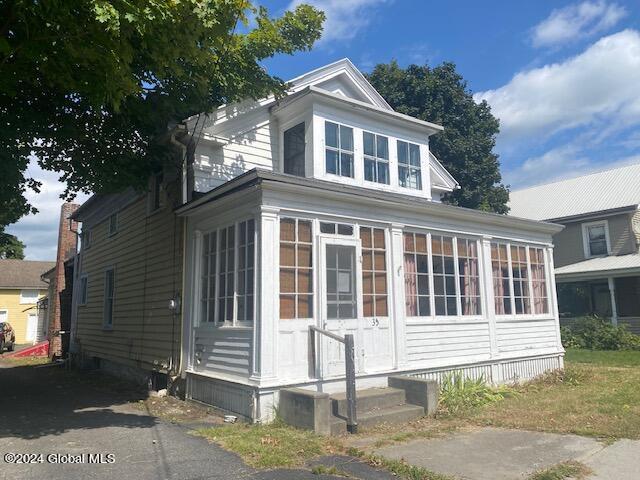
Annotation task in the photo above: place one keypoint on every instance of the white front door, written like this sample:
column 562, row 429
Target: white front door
column 32, row 327
column 341, row 306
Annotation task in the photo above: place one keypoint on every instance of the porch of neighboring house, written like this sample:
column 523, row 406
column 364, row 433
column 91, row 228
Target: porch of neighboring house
column 616, row 297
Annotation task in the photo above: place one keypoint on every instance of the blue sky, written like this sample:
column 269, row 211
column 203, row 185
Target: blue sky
column 563, row 77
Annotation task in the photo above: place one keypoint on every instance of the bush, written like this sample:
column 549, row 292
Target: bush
column 459, row 394
column 597, row 333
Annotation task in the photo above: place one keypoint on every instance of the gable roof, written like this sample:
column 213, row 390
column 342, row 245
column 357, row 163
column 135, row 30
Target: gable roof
column 343, row 67
column 23, row 273
column 441, row 179
column 606, row 190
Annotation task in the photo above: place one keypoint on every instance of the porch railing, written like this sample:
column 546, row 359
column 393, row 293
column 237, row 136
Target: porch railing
column 350, row 369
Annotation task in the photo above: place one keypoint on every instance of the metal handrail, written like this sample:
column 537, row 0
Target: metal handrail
column 350, row 370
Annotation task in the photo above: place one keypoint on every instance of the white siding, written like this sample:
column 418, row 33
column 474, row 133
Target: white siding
column 523, row 335
column 224, row 350
column 429, row 341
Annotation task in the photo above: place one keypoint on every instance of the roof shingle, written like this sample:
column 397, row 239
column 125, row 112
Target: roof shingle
column 23, row 273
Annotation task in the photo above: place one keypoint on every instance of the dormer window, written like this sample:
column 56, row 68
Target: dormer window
column 294, row 146
column 338, row 149
column 376, row 158
column 595, row 236
column 409, row 171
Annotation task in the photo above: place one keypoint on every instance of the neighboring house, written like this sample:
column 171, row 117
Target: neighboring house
column 319, row 209
column 21, row 288
column 597, row 262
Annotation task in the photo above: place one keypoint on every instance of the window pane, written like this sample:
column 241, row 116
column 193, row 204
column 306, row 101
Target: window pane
column 288, row 229
column 346, row 138
column 403, row 153
column 369, row 170
column 304, row 231
column 383, row 173
column 332, row 161
column 294, row 146
column 382, row 144
column 331, row 134
column 414, row 155
column 346, row 165
column 368, row 144
column 327, row 227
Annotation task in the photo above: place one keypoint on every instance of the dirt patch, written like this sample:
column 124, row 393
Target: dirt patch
column 172, row 409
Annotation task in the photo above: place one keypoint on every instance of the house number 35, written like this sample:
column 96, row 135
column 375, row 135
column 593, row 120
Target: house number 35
column 375, row 322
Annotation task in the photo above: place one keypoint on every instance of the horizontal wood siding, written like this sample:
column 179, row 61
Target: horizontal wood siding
column 224, row 350
column 251, row 145
column 146, row 253
column 430, row 341
column 523, row 335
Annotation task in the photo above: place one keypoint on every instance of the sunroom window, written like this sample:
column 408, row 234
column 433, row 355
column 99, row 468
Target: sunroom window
column 519, row 279
column 409, row 171
column 338, row 149
column 227, row 285
column 374, row 272
column 376, row 158
column 296, row 269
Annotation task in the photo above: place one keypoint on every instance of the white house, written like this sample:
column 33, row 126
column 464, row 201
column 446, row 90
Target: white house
column 323, row 209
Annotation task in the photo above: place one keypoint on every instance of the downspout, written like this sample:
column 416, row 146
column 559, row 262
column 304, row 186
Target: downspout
column 185, row 198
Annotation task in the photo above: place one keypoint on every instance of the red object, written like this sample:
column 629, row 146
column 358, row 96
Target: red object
column 38, row 350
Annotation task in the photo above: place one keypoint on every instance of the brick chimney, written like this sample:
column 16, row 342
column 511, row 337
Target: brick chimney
column 60, row 304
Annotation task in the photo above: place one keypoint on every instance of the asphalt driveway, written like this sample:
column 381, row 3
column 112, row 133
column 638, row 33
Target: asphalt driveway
column 51, row 412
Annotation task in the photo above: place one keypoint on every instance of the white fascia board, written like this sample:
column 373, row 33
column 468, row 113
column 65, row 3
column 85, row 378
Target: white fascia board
column 320, row 95
column 449, row 182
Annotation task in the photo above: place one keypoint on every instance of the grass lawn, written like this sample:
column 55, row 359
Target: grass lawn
column 599, row 395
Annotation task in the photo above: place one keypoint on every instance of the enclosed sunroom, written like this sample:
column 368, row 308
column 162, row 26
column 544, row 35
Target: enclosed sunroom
column 424, row 288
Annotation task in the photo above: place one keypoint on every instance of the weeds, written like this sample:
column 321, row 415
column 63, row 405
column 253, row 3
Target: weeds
column 562, row 471
column 459, row 394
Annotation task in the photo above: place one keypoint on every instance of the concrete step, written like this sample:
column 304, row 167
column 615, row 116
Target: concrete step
column 392, row 414
column 368, row 400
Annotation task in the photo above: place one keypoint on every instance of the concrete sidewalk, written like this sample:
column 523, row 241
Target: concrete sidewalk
column 502, row 454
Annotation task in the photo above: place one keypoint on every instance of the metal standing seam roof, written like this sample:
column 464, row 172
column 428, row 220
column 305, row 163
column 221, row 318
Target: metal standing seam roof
column 23, row 273
column 605, row 190
column 601, row 264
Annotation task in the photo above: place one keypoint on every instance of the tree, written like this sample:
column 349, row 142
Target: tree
column 440, row 95
column 91, row 87
column 10, row 246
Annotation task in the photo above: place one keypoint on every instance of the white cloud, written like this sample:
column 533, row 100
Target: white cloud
column 577, row 21
column 345, row 18
column 39, row 232
column 560, row 163
column 598, row 87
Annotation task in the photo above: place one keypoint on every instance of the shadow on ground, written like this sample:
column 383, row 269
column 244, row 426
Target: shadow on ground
column 38, row 401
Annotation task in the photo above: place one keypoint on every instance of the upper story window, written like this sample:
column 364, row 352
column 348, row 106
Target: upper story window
column 409, row 171
column 338, row 149
column 595, row 236
column 28, row 296
column 113, row 224
column 84, row 287
column 376, row 158
column 85, row 239
column 294, row 146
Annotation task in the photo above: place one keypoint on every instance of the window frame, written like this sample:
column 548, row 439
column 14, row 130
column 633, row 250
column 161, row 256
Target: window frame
column 112, row 225
column 340, row 150
column 84, row 289
column 155, row 203
column 108, row 325
column 85, row 239
column 549, row 298
column 459, row 317
column 586, row 244
column 314, row 292
column 234, row 323
column 420, row 187
column 290, row 126
column 27, row 300
column 375, row 158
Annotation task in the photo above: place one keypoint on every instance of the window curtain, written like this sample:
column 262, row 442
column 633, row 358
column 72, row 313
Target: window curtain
column 411, row 289
column 470, row 287
column 498, row 287
column 539, row 289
